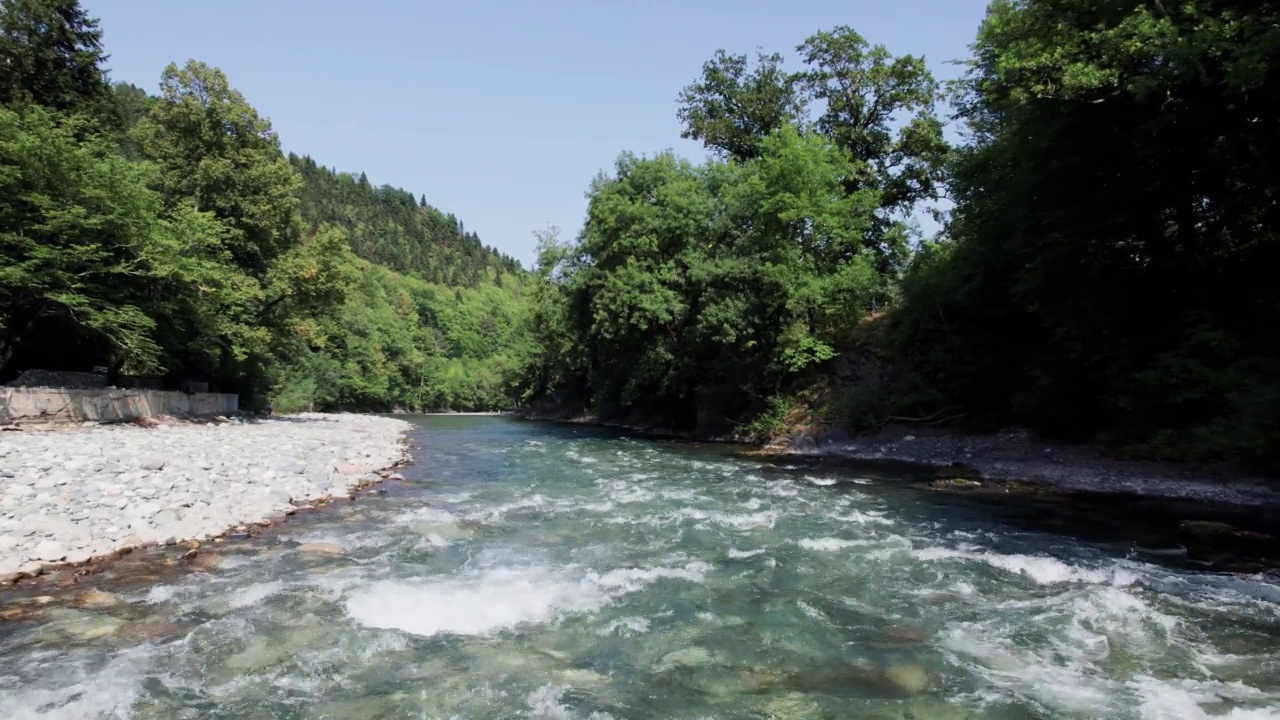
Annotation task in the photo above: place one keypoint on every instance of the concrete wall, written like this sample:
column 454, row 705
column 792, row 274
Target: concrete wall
column 23, row 406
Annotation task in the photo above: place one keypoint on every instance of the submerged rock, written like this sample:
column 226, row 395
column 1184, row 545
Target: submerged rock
column 95, row 599
column 910, row 679
column 688, row 657
column 322, row 548
column 66, row 623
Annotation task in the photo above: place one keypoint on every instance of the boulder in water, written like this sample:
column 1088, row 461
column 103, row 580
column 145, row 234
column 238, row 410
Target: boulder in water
column 909, row 679
column 95, row 599
column 688, row 657
column 322, row 548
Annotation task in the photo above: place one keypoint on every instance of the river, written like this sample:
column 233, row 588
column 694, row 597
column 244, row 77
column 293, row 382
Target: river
column 532, row 571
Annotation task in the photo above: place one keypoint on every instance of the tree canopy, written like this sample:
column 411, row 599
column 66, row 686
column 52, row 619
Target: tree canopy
column 169, row 236
column 1103, row 273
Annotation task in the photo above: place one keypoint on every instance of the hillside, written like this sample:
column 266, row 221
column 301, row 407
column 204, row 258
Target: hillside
column 167, row 236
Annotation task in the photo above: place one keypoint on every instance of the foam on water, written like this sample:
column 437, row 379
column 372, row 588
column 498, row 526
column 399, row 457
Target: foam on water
column 501, row 598
column 554, row 580
column 860, row 517
column 77, row 689
column 472, row 605
column 627, row 626
column 253, row 594
column 1060, row 650
column 1043, row 570
column 830, row 544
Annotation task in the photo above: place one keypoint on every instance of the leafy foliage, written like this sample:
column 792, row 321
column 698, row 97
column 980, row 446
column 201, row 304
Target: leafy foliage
column 1116, row 213
column 169, row 235
column 76, row 222
column 1104, row 273
column 695, row 292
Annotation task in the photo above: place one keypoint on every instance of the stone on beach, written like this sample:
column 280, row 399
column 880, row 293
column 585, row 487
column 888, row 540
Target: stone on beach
column 78, row 493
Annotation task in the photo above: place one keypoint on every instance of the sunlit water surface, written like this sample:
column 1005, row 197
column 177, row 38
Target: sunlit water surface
column 529, row 571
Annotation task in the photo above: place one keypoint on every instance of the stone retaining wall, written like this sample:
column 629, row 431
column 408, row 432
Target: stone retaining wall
column 34, row 406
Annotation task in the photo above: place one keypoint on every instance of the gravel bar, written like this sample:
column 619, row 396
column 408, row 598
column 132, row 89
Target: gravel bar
column 71, row 495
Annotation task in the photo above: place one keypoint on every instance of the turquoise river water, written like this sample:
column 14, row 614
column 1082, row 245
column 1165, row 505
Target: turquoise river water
column 531, row 571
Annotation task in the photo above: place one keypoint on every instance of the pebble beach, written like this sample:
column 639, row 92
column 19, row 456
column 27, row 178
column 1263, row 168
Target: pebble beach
column 75, row 494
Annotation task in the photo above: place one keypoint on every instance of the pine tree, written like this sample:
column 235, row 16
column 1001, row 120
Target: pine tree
column 50, row 54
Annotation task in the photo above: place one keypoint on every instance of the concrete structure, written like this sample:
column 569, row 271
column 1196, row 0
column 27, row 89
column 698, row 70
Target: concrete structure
column 36, row 406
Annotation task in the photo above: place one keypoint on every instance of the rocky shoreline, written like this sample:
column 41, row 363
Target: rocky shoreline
column 75, row 495
column 1007, row 457
column 1019, row 457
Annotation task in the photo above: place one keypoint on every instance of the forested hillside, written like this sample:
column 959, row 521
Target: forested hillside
column 1104, row 272
column 169, row 236
column 389, row 227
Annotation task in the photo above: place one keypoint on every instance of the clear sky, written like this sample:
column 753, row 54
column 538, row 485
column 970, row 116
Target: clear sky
column 500, row 112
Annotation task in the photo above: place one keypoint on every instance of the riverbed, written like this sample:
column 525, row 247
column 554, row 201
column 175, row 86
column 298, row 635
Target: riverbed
column 533, row 571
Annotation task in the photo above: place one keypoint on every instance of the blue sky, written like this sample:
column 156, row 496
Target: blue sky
column 499, row 112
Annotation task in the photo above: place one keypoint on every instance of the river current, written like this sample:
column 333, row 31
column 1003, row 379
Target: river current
column 531, row 571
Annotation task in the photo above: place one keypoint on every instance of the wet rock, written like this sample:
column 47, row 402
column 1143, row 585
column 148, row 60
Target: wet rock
column 396, row 476
column 151, row 630
column 15, row 613
column 95, row 599
column 1206, row 527
column 201, row 561
column 791, row 706
column 66, row 623
column 688, row 657
column 322, row 548
column 954, row 484
column 909, row 679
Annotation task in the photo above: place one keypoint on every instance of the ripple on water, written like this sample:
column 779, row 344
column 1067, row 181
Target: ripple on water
column 500, row 598
column 570, row 578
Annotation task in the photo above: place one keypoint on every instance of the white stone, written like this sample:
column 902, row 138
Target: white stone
column 105, row 487
column 49, row 551
column 79, row 555
column 19, row 491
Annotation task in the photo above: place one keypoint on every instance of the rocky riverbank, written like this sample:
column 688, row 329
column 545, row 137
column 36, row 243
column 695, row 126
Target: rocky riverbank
column 1018, row 456
column 70, row 496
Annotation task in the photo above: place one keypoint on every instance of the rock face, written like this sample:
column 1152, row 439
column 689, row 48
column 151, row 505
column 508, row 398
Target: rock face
column 70, row 495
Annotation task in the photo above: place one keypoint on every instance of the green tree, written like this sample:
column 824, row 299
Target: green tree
column 1115, row 215
column 51, row 55
column 215, row 150
column 734, row 105
column 879, row 109
column 697, row 293
column 76, row 221
column 865, row 91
